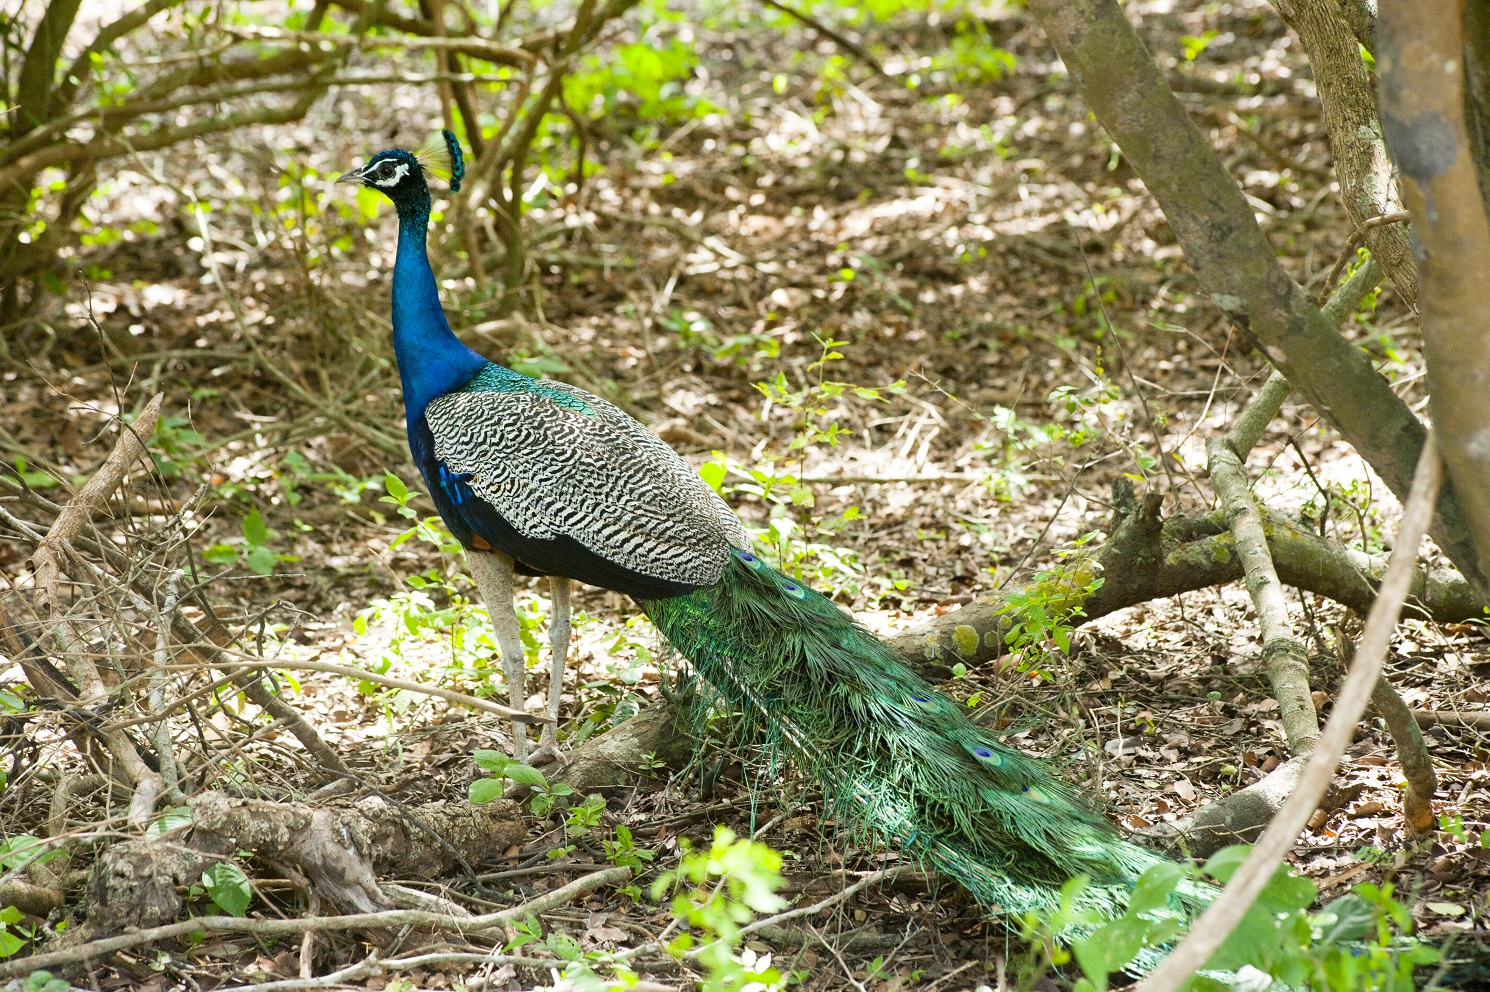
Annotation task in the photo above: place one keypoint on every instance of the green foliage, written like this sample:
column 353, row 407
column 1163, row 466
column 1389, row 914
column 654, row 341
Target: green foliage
column 170, row 819
column 1357, row 943
column 1353, row 509
column 546, row 795
column 794, row 537
column 714, row 893
column 38, row 981
column 695, row 331
column 13, row 935
column 30, row 477
column 23, row 850
column 1041, row 614
column 227, row 888
column 1194, row 45
column 623, row 850
column 254, row 552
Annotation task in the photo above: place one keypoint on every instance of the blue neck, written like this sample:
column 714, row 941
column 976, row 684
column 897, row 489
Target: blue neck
column 431, row 359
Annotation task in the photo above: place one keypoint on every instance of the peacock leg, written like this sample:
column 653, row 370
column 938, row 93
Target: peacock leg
column 492, row 571
column 558, row 641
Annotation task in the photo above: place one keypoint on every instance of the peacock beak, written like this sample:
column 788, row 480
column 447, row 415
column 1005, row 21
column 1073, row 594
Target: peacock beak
column 355, row 177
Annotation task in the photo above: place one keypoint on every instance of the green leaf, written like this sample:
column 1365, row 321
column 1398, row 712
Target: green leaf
column 228, row 887
column 21, row 850
column 395, row 487
column 491, row 761
column 11, row 916
column 260, row 560
column 1224, row 863
column 484, row 790
column 1287, row 892
column 10, row 944
column 221, row 554
column 713, row 474
column 564, row 946
column 1348, row 918
column 255, row 531
column 525, row 775
column 1154, row 887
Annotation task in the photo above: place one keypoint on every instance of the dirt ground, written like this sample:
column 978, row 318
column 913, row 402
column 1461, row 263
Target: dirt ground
column 951, row 235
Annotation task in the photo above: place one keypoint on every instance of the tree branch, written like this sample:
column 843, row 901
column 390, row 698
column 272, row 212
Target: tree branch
column 1233, row 260
column 1216, row 924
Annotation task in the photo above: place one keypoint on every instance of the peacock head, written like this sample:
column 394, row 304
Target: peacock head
column 396, row 174
column 400, row 175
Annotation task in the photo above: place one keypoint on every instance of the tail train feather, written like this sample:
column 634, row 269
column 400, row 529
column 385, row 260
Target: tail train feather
column 896, row 759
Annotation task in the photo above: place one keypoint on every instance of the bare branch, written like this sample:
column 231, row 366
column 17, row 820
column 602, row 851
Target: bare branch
column 1216, row 924
column 478, row 48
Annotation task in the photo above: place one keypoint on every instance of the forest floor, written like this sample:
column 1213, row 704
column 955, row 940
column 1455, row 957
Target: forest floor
column 974, row 237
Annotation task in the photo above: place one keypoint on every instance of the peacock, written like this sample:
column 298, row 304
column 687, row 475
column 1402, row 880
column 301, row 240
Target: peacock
column 538, row 477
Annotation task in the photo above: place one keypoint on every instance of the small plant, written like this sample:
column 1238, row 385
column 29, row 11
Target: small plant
column 503, row 769
column 623, row 851
column 584, row 817
column 1359, row 941
column 255, row 552
column 13, row 935
column 40, row 981
column 227, row 888
column 715, row 892
column 1041, row 614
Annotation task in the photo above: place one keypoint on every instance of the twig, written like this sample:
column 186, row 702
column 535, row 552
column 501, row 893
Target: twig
column 359, row 673
column 838, row 39
column 49, row 554
column 1452, row 718
column 487, row 51
column 1356, row 241
column 825, row 903
column 1241, row 892
column 371, row 967
column 165, row 753
column 355, row 921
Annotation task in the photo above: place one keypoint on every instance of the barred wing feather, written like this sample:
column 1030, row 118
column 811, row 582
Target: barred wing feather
column 598, row 478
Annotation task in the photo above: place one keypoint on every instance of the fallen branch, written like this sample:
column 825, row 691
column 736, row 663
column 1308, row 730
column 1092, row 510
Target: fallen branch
column 341, row 849
column 372, row 967
column 1476, row 719
column 50, row 555
column 1223, row 915
column 281, row 928
column 1283, row 654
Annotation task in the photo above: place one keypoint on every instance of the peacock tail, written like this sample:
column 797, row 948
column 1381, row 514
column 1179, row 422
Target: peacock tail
column 897, row 760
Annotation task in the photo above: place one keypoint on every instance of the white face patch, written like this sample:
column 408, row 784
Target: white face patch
column 386, row 177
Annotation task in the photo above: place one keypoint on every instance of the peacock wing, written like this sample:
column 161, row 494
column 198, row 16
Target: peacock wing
column 625, row 424
column 556, row 469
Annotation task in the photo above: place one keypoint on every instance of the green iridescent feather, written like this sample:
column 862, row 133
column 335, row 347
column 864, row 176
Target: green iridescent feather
column 897, row 760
